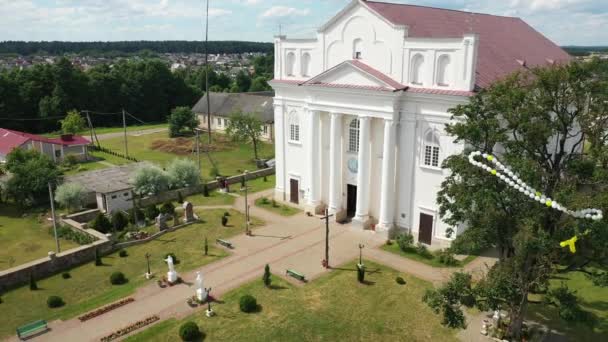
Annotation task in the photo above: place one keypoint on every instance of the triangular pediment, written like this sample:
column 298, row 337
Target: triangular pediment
column 354, row 74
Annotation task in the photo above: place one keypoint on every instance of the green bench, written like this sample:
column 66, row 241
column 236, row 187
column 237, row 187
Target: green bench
column 31, row 329
column 225, row 243
column 296, row 275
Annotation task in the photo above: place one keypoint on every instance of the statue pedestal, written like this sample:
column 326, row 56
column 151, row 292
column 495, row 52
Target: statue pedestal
column 172, row 276
column 148, row 275
column 201, row 295
column 209, row 313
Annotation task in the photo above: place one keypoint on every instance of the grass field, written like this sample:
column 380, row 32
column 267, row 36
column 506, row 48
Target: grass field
column 592, row 298
column 431, row 260
column 258, row 184
column 278, row 208
column 25, row 237
column 332, row 308
column 231, row 158
column 105, row 130
column 215, row 198
column 89, row 286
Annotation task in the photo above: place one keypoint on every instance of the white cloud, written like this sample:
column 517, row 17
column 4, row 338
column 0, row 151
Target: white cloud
column 283, row 11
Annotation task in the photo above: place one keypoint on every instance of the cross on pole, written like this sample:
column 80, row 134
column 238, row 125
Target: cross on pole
column 361, row 254
column 148, row 263
column 326, row 218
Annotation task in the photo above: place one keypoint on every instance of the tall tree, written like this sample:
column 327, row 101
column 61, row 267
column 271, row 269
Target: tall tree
column 245, row 127
column 30, row 174
column 536, row 122
column 182, row 118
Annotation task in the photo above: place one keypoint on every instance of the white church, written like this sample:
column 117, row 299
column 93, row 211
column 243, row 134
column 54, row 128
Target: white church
column 360, row 109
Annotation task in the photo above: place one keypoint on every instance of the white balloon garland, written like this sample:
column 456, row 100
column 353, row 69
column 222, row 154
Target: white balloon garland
column 512, row 179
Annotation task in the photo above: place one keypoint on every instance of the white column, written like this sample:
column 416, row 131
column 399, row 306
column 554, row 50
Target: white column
column 279, row 147
column 387, row 188
column 363, row 174
column 335, row 163
column 313, row 158
column 408, row 146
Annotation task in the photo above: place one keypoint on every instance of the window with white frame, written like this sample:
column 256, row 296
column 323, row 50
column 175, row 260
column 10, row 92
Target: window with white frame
column 358, row 49
column 443, row 66
column 294, row 128
column 353, row 136
column 431, row 149
column 265, row 129
column 416, row 72
column 305, row 64
column 219, row 122
column 290, row 63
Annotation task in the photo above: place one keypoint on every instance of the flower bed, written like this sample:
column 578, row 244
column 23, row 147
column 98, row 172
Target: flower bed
column 139, row 235
column 129, row 329
column 105, row 309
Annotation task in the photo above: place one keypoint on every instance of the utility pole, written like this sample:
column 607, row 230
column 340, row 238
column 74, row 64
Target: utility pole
column 198, row 148
column 89, row 122
column 326, row 218
column 54, row 220
column 207, row 74
column 124, row 125
column 245, row 188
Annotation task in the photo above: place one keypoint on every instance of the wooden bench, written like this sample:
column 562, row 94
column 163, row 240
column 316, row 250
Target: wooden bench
column 296, row 275
column 225, row 243
column 31, row 329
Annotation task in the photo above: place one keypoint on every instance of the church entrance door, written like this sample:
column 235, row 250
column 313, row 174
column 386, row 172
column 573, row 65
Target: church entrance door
column 294, row 191
column 351, row 200
column 425, row 229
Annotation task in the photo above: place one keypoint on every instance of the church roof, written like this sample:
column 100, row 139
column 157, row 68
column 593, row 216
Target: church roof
column 225, row 104
column 506, row 44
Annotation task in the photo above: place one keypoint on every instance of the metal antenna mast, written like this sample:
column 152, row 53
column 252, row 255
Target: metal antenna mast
column 207, row 74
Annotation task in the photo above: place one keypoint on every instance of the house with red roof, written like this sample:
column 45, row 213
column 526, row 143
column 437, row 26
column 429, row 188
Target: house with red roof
column 360, row 108
column 56, row 148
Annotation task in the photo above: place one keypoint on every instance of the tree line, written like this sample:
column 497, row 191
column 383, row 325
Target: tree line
column 166, row 46
column 32, row 99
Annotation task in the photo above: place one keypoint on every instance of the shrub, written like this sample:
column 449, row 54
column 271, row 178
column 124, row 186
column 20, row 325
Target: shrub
column 265, row 200
column 405, row 241
column 136, row 214
column 206, row 246
column 446, row 257
column 224, row 221
column 205, row 190
column 66, row 275
column 183, row 173
column 55, row 302
column 242, row 181
column 266, row 278
column 248, row 303
column 389, row 242
column 70, row 195
column 180, row 198
column 189, row 331
column 117, row 278
column 70, row 160
column 123, row 253
column 167, row 208
column 567, row 303
column 119, row 221
column 97, row 258
column 265, row 179
column 150, row 179
column 226, row 214
column 360, row 273
column 73, row 235
column 33, row 285
column 151, row 212
column 423, row 251
column 400, row 280
column 274, row 203
column 101, row 223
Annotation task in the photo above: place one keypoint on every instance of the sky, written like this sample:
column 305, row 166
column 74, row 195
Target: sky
column 566, row 22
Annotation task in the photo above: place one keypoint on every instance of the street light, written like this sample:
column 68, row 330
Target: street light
column 361, row 254
column 148, row 274
column 245, row 188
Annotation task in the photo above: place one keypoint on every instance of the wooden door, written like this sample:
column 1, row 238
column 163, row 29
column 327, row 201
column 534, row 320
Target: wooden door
column 294, row 191
column 425, row 229
column 351, row 200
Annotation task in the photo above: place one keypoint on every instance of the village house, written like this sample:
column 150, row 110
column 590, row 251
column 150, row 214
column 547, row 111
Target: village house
column 223, row 105
column 56, row 148
column 360, row 109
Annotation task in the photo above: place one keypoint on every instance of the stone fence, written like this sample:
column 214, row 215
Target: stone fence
column 151, row 237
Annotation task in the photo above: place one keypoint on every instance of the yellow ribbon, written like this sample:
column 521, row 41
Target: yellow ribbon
column 571, row 243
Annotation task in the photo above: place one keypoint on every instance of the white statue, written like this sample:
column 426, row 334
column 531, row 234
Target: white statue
column 201, row 293
column 171, row 275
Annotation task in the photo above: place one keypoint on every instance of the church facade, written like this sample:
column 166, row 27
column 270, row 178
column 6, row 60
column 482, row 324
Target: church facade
column 360, row 110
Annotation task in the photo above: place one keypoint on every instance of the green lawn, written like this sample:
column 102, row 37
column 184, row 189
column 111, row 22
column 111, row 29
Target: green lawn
column 258, row 184
column 25, row 237
column 592, row 298
column 232, row 158
column 332, row 308
column 89, row 286
column 104, row 130
column 85, row 166
column 431, row 260
column 281, row 209
column 215, row 198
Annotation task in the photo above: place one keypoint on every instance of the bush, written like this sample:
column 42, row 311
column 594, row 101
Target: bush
column 73, row 235
column 360, row 273
column 226, row 214
column 117, row 278
column 101, row 223
column 265, row 200
column 274, row 203
column 152, row 212
column 205, row 190
column 400, row 281
column 70, row 160
column 266, row 278
column 567, row 303
column 248, row 304
column 97, row 258
column 423, row 251
column 224, row 221
column 150, row 179
column 70, row 195
column 405, row 241
column 119, row 221
column 167, row 208
column 446, row 257
column 265, row 179
column 136, row 214
column 180, row 198
column 189, row 331
column 123, row 253
column 33, row 285
column 55, row 302
column 183, row 173
column 66, row 275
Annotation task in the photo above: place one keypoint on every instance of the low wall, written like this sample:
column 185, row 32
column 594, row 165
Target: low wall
column 83, row 216
column 151, row 237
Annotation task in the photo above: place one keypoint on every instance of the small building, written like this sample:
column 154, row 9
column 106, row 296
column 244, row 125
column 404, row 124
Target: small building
column 223, row 105
column 56, row 148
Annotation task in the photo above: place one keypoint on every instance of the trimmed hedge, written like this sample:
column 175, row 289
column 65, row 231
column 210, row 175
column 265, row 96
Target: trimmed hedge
column 55, row 302
column 189, row 331
column 117, row 278
column 248, row 303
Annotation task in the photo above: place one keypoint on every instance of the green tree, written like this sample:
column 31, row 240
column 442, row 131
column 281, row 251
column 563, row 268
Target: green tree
column 73, row 123
column 70, row 195
column 31, row 174
column 449, row 298
column 150, row 180
column 536, row 122
column 183, row 173
column 243, row 81
column 119, row 221
column 259, row 84
column 245, row 127
column 182, row 118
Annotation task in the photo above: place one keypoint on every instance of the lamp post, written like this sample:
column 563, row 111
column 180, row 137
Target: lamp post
column 58, row 249
column 148, row 274
column 361, row 254
column 326, row 218
column 245, row 188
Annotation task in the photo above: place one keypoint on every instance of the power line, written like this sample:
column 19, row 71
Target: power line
column 34, row 119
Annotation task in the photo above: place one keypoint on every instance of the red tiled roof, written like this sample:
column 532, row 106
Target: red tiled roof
column 9, row 139
column 378, row 74
column 502, row 40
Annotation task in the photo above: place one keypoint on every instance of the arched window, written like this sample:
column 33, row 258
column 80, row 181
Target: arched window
column 443, row 74
column 305, row 64
column 358, row 49
column 294, row 128
column 416, row 72
column 353, row 136
column 431, row 149
column 290, row 63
